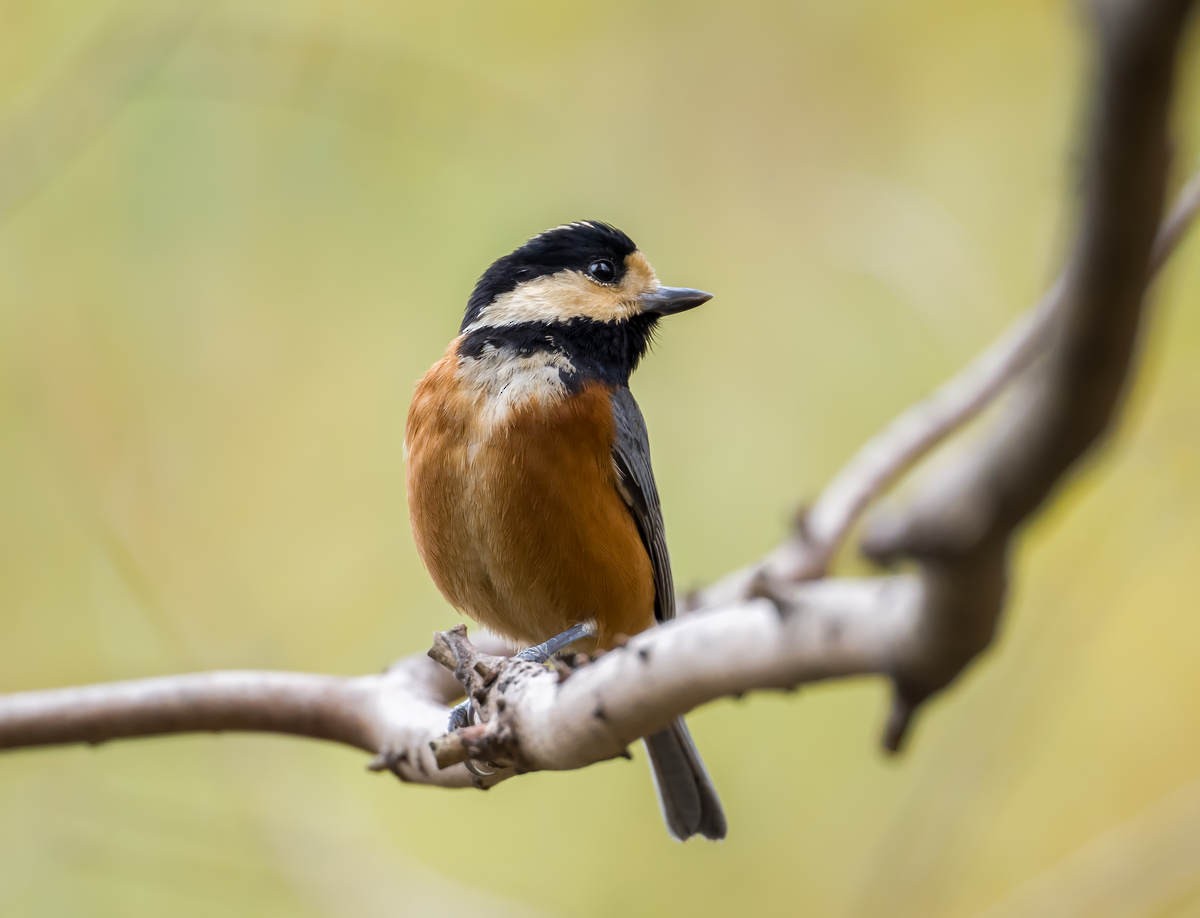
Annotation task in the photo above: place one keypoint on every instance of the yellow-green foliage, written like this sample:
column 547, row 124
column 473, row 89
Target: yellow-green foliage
column 232, row 236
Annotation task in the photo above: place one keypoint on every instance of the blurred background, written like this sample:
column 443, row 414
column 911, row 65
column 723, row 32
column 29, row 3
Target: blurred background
column 233, row 236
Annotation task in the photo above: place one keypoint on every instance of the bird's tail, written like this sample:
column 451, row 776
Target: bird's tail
column 688, row 799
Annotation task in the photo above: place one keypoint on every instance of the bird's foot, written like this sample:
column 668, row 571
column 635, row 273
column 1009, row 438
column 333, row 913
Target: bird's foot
column 465, row 713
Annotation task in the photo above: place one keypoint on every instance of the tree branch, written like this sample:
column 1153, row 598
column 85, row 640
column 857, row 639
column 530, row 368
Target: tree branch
column 960, row 525
column 823, row 528
column 538, row 718
column 399, row 712
column 767, row 627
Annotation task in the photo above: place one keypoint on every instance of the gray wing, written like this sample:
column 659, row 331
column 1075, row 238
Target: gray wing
column 635, row 480
column 689, row 802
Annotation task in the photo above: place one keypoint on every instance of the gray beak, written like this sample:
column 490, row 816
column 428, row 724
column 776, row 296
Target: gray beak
column 667, row 301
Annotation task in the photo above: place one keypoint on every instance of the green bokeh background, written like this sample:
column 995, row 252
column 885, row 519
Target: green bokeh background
column 231, row 239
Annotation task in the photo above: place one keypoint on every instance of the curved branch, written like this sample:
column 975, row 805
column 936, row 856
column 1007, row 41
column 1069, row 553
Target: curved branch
column 303, row 704
column 1073, row 395
column 885, row 458
column 960, row 525
column 822, row 529
column 397, row 714
column 537, row 718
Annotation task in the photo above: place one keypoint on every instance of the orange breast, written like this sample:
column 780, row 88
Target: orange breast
column 519, row 520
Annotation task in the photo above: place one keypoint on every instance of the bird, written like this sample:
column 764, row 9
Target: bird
column 530, row 489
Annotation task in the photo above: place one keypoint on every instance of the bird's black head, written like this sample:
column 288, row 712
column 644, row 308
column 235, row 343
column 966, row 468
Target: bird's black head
column 583, row 289
column 587, row 249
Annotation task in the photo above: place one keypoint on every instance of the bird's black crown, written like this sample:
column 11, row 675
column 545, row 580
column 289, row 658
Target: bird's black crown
column 573, row 246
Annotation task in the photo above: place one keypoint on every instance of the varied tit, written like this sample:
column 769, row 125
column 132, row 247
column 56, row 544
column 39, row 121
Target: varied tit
column 530, row 489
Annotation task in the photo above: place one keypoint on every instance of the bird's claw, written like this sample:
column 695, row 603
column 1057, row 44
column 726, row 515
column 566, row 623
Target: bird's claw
column 465, row 714
column 461, row 715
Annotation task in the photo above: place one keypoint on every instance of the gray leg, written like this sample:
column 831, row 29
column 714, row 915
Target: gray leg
column 462, row 715
column 540, row 653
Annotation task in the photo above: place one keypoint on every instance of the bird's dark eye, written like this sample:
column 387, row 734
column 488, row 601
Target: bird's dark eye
column 602, row 270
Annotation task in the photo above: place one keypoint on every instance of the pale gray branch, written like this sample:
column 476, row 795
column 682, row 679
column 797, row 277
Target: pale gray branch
column 537, row 719
column 402, row 709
